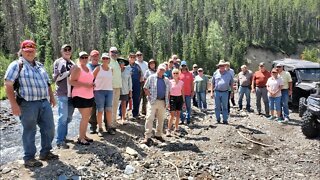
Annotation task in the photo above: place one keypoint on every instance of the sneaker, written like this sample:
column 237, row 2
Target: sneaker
column 259, row 113
column 63, row 145
column 225, row 122
column 68, row 140
column 168, row 133
column 32, row 163
column 159, row 138
column 111, row 131
column 100, row 132
column 280, row 120
column 286, row 119
column 271, row 118
column 49, row 156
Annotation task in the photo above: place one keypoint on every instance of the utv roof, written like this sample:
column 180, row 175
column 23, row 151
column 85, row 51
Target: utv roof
column 296, row 63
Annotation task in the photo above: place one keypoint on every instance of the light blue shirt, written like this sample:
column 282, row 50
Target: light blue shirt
column 222, row 82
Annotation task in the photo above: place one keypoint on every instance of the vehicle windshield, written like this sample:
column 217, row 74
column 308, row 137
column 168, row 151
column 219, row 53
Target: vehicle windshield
column 309, row 74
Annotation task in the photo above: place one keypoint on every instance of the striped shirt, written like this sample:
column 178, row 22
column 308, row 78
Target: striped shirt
column 34, row 80
column 151, row 85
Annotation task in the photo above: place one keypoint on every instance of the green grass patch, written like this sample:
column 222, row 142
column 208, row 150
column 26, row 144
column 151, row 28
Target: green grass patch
column 3, row 94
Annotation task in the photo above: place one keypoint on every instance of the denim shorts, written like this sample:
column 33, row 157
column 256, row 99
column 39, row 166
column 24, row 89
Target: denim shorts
column 274, row 103
column 103, row 99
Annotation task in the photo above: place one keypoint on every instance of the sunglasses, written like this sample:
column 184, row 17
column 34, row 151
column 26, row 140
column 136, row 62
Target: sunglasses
column 171, row 62
column 274, row 72
column 67, row 50
column 84, row 57
column 114, row 52
column 175, row 58
column 261, row 66
column 105, row 58
column 132, row 57
column 139, row 54
column 183, row 65
column 200, row 71
column 195, row 67
column 175, row 73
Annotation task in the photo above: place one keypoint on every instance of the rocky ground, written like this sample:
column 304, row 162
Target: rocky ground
column 250, row 147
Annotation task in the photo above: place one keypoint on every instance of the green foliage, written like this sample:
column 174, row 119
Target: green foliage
column 311, row 54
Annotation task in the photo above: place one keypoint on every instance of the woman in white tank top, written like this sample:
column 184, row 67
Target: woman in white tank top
column 103, row 93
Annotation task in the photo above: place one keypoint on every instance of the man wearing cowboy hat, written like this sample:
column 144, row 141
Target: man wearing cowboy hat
column 221, row 82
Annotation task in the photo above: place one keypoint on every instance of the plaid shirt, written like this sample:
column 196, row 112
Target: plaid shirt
column 33, row 80
column 151, row 84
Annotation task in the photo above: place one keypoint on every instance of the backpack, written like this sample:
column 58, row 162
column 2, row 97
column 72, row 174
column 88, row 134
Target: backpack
column 16, row 84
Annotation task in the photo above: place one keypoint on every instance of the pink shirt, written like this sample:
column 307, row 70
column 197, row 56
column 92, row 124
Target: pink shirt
column 81, row 91
column 274, row 85
column 176, row 87
column 187, row 79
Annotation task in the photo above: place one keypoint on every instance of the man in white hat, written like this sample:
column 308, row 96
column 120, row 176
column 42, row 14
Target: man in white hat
column 157, row 88
column 286, row 91
column 222, row 81
column 116, row 84
column 244, row 79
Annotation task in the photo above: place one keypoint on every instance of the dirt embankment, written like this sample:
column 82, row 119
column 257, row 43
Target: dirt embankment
column 256, row 55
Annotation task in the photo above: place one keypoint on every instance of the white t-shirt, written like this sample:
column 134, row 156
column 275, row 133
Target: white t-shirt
column 143, row 65
column 274, row 85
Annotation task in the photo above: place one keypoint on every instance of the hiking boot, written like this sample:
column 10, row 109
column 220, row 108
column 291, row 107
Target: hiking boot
column 48, row 156
column 159, row 138
column 168, row 133
column 111, row 131
column 100, row 132
column 225, row 122
column 32, row 163
column 63, row 145
column 147, row 141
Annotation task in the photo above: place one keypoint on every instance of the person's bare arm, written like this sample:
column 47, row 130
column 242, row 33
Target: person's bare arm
column 74, row 79
column 52, row 99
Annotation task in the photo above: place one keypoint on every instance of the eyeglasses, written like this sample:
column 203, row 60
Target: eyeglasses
column 105, row 58
column 67, row 50
column 114, row 52
column 84, row 57
column 175, row 73
column 132, row 57
column 175, row 58
column 279, row 67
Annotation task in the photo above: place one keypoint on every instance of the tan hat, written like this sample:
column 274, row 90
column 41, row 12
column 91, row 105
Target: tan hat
column 195, row 66
column 243, row 66
column 162, row 66
column 221, row 62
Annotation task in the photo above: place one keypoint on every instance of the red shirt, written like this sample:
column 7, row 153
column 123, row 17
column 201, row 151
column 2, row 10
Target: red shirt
column 260, row 78
column 187, row 79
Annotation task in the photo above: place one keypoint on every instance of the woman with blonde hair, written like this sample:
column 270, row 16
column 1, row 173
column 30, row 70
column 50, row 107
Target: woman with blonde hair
column 177, row 100
column 82, row 94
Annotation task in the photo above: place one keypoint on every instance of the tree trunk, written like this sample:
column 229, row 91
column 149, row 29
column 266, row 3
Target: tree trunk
column 55, row 27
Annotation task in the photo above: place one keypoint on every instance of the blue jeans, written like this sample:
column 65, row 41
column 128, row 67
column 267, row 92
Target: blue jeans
column 201, row 99
column 274, row 103
column 244, row 91
column 221, row 102
column 136, row 89
column 284, row 102
column 184, row 116
column 35, row 113
column 65, row 112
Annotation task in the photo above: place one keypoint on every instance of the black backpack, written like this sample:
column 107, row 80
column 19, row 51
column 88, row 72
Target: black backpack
column 16, row 84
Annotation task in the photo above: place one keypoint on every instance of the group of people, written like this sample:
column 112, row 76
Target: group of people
column 273, row 87
column 103, row 86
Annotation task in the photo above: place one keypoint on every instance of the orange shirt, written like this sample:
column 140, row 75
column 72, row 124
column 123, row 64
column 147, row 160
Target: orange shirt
column 187, row 79
column 260, row 78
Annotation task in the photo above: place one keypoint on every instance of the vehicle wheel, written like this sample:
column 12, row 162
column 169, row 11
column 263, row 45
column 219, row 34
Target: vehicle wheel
column 310, row 126
column 302, row 106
